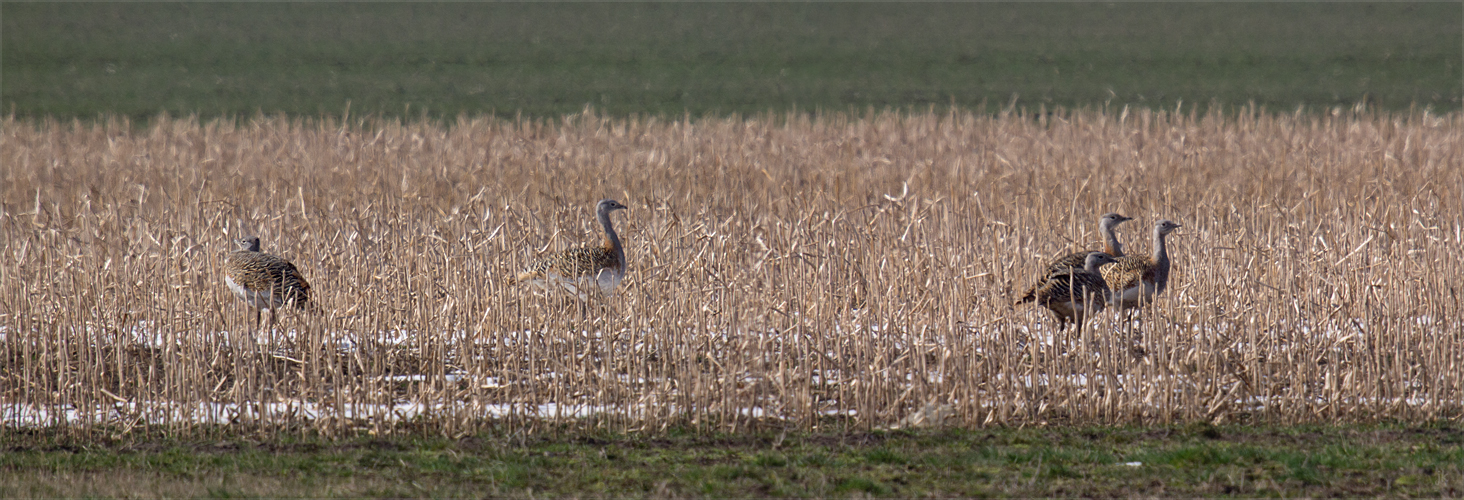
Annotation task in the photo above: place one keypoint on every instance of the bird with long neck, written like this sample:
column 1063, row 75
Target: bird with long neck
column 1136, row 279
column 578, row 269
column 1074, row 294
column 1076, row 260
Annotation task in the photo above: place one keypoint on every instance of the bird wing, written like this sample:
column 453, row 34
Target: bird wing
column 1074, row 260
column 262, row 272
column 1075, row 285
column 1060, row 265
column 1128, row 272
column 574, row 263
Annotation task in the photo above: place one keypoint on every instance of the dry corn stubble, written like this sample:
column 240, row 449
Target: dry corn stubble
column 831, row 269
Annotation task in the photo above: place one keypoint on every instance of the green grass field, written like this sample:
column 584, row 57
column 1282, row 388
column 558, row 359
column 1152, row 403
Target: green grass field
column 1161, row 461
column 399, row 59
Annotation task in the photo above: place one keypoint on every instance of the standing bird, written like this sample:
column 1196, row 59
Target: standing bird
column 264, row 281
column 1136, row 279
column 1074, row 293
column 1076, row 260
column 579, row 269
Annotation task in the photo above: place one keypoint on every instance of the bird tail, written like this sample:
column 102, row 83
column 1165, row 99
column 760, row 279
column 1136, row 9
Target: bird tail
column 522, row 277
column 1028, row 296
column 309, row 306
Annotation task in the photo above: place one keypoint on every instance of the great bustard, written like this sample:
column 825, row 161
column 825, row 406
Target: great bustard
column 1075, row 293
column 1076, row 260
column 1136, row 279
column 583, row 268
column 264, row 281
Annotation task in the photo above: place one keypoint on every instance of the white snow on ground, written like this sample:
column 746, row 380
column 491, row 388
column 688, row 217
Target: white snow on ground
column 22, row 415
column 1005, row 389
column 131, row 414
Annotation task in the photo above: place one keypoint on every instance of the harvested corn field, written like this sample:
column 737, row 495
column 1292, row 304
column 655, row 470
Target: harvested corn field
column 826, row 270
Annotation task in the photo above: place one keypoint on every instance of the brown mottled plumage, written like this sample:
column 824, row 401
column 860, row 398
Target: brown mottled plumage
column 1076, row 260
column 1136, row 279
column 264, row 281
column 579, row 269
column 1073, row 294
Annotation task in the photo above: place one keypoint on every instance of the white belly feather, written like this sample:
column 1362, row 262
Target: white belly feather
column 255, row 299
column 1133, row 296
column 606, row 281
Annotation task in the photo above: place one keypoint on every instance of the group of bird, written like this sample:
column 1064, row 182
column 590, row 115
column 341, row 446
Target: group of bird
column 1083, row 283
column 1072, row 287
column 265, row 281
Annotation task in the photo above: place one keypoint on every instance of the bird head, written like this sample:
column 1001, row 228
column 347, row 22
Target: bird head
column 1111, row 220
column 1098, row 259
column 608, row 205
column 248, row 243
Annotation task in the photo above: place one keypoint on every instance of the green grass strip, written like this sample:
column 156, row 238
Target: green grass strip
column 70, row 60
column 1197, row 460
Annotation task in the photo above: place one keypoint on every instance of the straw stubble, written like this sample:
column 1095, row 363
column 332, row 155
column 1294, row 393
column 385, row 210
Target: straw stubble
column 827, row 270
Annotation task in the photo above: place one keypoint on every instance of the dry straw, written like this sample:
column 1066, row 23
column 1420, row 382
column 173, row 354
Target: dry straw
column 819, row 271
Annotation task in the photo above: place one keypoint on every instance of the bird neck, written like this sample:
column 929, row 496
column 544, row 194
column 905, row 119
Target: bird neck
column 1111, row 246
column 1161, row 257
column 612, row 240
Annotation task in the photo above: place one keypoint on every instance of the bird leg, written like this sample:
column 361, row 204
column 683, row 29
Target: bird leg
column 270, row 331
column 1132, row 322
